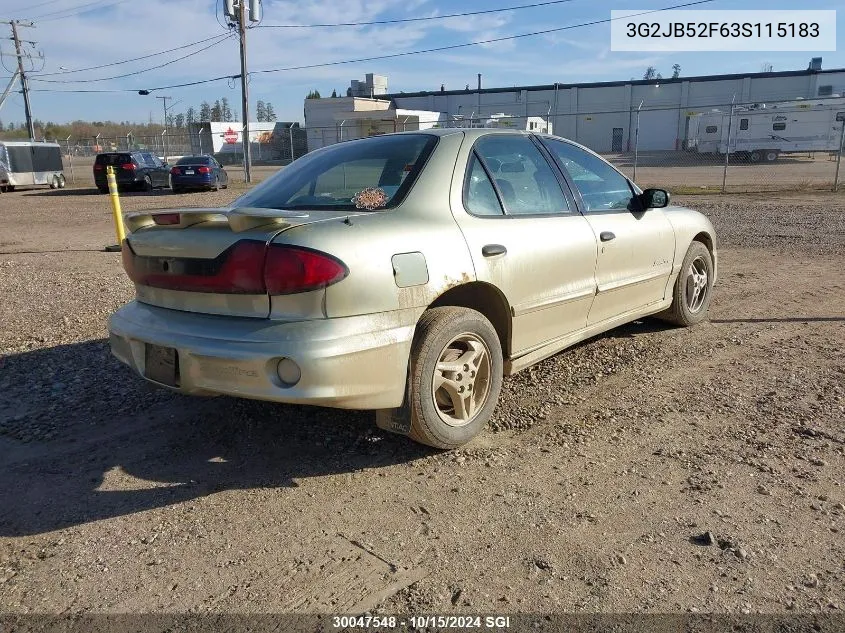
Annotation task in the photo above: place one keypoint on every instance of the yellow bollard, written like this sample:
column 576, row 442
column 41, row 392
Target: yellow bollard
column 117, row 213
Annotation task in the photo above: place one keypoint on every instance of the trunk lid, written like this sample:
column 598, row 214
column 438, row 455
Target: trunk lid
column 210, row 260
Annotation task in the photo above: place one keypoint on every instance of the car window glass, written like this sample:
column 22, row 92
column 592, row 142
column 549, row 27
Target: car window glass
column 600, row 185
column 373, row 173
column 479, row 195
column 148, row 160
column 524, row 178
column 113, row 159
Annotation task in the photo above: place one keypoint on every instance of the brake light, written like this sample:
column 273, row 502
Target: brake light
column 292, row 269
column 175, row 171
column 237, row 270
column 204, row 170
column 246, row 267
column 165, row 219
column 128, row 166
column 98, row 168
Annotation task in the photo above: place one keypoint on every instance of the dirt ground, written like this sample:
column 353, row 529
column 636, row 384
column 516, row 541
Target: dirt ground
column 653, row 469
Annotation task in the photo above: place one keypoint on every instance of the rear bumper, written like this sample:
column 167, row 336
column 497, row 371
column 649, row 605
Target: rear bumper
column 351, row 363
column 130, row 180
column 188, row 182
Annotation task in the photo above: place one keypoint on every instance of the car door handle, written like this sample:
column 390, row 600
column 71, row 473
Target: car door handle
column 491, row 250
column 606, row 236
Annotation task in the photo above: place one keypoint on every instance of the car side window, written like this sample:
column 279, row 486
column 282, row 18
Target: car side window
column 148, row 160
column 602, row 188
column 479, row 195
column 524, row 179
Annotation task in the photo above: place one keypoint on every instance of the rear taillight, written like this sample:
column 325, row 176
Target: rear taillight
column 128, row 166
column 175, row 171
column 237, row 270
column 98, row 168
column 292, row 269
column 246, row 267
column 165, row 219
column 204, row 170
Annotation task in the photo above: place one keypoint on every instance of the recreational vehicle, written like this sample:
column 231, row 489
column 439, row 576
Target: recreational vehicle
column 761, row 132
column 24, row 163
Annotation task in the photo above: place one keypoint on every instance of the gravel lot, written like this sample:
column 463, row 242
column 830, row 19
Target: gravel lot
column 652, row 469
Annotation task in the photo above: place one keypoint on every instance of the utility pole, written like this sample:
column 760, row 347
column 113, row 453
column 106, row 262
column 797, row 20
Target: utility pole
column 24, row 85
column 244, row 90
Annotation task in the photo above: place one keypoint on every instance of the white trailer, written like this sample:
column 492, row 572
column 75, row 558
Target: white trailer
column 761, row 132
column 24, row 163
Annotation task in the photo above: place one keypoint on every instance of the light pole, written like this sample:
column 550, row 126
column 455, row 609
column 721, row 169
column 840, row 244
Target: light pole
column 840, row 117
column 637, row 140
column 163, row 139
column 166, row 108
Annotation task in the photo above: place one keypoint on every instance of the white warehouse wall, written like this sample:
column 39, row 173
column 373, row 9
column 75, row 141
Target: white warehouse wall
column 588, row 113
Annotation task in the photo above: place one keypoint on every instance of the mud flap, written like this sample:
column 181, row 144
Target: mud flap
column 398, row 419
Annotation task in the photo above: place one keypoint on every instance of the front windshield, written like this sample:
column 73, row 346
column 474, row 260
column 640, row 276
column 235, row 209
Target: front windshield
column 374, row 174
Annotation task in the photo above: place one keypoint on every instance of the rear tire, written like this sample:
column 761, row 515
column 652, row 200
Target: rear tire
column 54, row 184
column 62, row 182
column 692, row 291
column 756, row 156
column 770, row 155
column 147, row 185
column 216, row 186
column 455, row 376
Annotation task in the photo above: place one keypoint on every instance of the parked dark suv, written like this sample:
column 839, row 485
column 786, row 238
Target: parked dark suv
column 133, row 170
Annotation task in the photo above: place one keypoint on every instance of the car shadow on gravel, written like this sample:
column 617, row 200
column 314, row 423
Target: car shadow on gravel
column 83, row 439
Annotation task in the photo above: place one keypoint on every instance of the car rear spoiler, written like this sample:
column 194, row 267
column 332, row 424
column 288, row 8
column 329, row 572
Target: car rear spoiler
column 241, row 219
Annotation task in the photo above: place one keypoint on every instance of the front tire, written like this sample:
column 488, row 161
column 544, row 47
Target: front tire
column 692, row 292
column 455, row 376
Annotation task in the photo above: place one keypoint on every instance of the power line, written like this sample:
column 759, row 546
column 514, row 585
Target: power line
column 475, row 43
column 219, row 40
column 422, row 19
column 41, row 4
column 404, row 54
column 126, row 61
column 92, row 6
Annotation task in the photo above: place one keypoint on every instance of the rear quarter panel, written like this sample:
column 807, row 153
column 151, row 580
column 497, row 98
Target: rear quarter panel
column 367, row 243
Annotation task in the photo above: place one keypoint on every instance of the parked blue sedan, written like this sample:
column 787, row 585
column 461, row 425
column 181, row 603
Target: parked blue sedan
column 198, row 172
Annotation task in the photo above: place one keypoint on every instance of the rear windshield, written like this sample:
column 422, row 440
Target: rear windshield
column 113, row 159
column 374, row 173
column 194, row 160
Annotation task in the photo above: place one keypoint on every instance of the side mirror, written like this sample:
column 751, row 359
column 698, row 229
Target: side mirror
column 654, row 198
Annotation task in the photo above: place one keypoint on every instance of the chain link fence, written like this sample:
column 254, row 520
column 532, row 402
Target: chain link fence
column 269, row 150
column 721, row 148
column 741, row 148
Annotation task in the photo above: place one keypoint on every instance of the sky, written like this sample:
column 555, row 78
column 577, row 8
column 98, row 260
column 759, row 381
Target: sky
column 78, row 34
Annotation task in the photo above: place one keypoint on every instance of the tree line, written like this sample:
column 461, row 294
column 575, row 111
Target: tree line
column 219, row 110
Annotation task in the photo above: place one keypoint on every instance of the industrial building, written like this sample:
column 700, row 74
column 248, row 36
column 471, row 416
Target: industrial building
column 600, row 115
column 269, row 141
column 329, row 121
